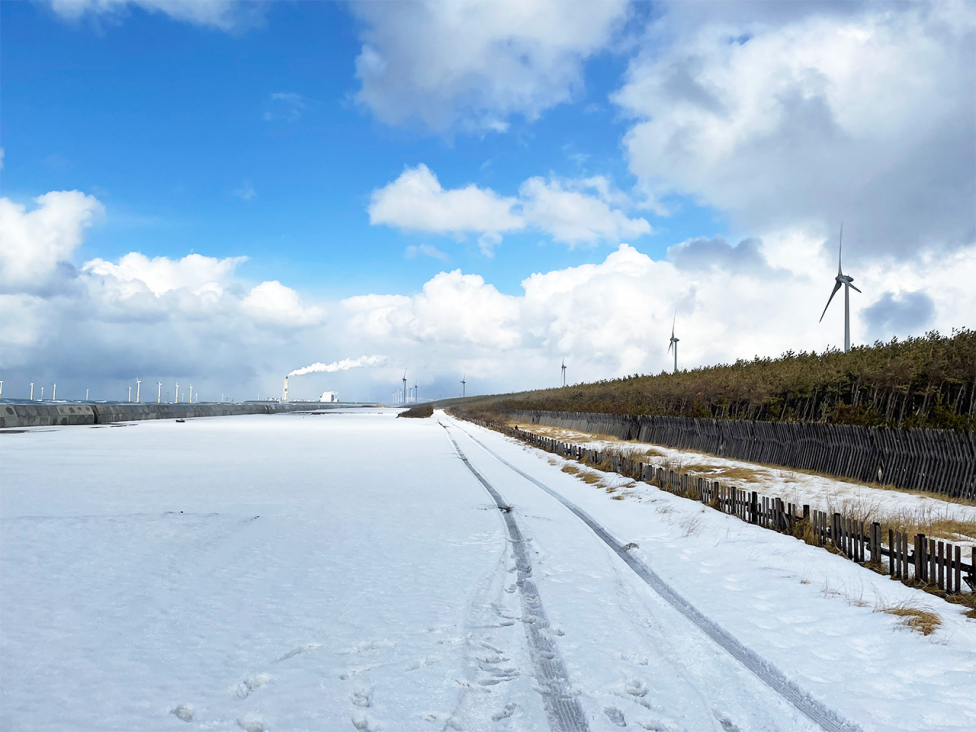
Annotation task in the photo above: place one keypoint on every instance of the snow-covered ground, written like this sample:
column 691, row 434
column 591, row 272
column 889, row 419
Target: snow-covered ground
column 798, row 487
column 349, row 572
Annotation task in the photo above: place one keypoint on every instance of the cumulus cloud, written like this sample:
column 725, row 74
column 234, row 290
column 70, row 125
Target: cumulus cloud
column 107, row 319
column 35, row 245
column 223, row 14
column 195, row 317
column 416, row 202
column 473, row 64
column 907, row 313
column 273, row 303
column 814, row 116
column 574, row 212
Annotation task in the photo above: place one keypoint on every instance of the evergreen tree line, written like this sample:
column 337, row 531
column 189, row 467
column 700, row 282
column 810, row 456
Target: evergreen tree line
column 927, row 381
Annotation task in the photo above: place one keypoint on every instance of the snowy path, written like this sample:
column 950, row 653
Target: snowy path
column 349, row 572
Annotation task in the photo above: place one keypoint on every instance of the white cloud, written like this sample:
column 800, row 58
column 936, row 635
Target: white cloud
column 272, row 302
column 426, row 250
column 863, row 116
column 246, row 192
column 570, row 215
column 135, row 273
column 472, row 64
column 196, row 318
column 416, row 201
column 574, row 212
column 223, row 14
column 287, row 106
column 34, row 243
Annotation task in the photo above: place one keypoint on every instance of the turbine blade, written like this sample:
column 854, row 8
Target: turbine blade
column 832, row 293
column 840, row 248
column 853, row 288
column 670, row 345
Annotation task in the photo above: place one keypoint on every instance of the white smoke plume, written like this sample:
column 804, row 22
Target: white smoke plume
column 345, row 364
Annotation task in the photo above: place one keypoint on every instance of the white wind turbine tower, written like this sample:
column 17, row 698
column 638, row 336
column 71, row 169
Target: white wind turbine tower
column 464, row 385
column 191, row 393
column 564, row 372
column 404, row 386
column 54, row 393
column 138, row 385
column 674, row 342
column 130, row 393
column 416, row 400
column 178, row 394
column 159, row 392
column 839, row 280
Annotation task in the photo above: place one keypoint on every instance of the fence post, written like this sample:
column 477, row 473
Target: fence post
column 753, row 507
column 920, row 563
column 876, row 543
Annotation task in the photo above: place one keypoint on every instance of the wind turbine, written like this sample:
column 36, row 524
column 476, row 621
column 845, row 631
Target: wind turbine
column 842, row 279
column 86, row 394
column 178, row 394
column 138, row 384
column 464, row 385
column 564, row 372
column 32, row 391
column 416, row 399
column 1, row 388
column 159, row 392
column 404, row 386
column 191, row 393
column 674, row 342
column 54, row 393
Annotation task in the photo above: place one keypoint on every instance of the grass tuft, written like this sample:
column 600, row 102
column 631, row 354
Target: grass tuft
column 918, row 618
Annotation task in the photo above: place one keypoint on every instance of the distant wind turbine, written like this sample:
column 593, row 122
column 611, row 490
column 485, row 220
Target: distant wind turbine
column 416, row 399
column 54, row 393
column 847, row 281
column 564, row 372
column 32, row 391
column 404, row 386
column 138, row 386
column 159, row 392
column 464, row 385
column 674, row 342
column 178, row 394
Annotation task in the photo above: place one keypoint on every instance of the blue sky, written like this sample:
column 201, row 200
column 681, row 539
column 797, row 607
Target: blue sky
column 165, row 121
column 371, row 179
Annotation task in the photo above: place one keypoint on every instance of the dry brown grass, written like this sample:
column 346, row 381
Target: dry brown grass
column 918, row 618
column 571, row 469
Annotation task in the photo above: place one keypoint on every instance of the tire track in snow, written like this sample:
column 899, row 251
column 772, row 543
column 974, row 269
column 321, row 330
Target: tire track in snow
column 816, row 711
column 562, row 707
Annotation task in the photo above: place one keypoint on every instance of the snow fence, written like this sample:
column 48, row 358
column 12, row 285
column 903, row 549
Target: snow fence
column 940, row 461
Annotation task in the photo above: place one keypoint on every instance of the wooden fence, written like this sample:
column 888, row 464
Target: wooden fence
column 935, row 566
column 940, row 461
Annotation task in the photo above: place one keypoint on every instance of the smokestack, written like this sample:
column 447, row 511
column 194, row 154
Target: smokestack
column 284, row 396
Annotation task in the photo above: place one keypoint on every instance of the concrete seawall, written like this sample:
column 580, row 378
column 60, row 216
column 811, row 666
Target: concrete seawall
column 45, row 415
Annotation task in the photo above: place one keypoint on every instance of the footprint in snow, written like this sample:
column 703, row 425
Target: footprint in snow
column 364, row 723
column 184, row 712
column 615, row 716
column 250, row 684
column 295, row 651
column 505, row 713
column 252, row 723
column 363, row 697
column 424, row 662
column 637, row 688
